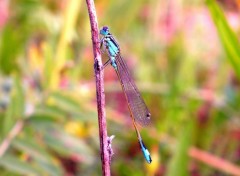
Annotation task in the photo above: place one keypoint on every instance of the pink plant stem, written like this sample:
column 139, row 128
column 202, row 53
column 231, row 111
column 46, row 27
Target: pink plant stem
column 12, row 134
column 99, row 90
column 214, row 161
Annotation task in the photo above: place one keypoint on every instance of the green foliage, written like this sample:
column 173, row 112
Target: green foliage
column 15, row 108
column 194, row 99
column 16, row 165
column 179, row 163
column 228, row 37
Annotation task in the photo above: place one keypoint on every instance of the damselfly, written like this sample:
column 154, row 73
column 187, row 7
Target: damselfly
column 136, row 105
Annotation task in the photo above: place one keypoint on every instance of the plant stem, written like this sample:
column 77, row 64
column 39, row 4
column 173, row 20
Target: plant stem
column 214, row 161
column 12, row 134
column 105, row 156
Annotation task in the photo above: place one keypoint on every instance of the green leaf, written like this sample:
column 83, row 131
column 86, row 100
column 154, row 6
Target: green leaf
column 40, row 156
column 1, row 126
column 71, row 105
column 15, row 165
column 23, row 22
column 49, row 169
column 228, row 37
column 179, row 163
column 8, row 173
column 16, row 107
column 32, row 148
column 66, row 102
column 66, row 144
column 48, row 113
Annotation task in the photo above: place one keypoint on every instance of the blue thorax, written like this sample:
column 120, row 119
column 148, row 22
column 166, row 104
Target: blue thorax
column 111, row 45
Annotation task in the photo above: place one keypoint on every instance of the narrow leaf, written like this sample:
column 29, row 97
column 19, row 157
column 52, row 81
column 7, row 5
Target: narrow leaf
column 15, row 165
column 228, row 37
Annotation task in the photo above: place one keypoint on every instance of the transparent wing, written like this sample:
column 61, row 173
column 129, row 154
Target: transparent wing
column 137, row 105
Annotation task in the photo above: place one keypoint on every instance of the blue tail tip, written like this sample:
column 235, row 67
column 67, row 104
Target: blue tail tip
column 145, row 151
column 147, row 156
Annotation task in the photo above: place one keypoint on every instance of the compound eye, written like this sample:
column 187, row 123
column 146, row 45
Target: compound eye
column 105, row 28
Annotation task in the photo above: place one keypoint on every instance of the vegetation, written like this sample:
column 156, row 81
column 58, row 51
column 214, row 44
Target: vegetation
column 183, row 55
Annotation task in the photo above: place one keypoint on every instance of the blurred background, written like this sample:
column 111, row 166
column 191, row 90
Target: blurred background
column 183, row 55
